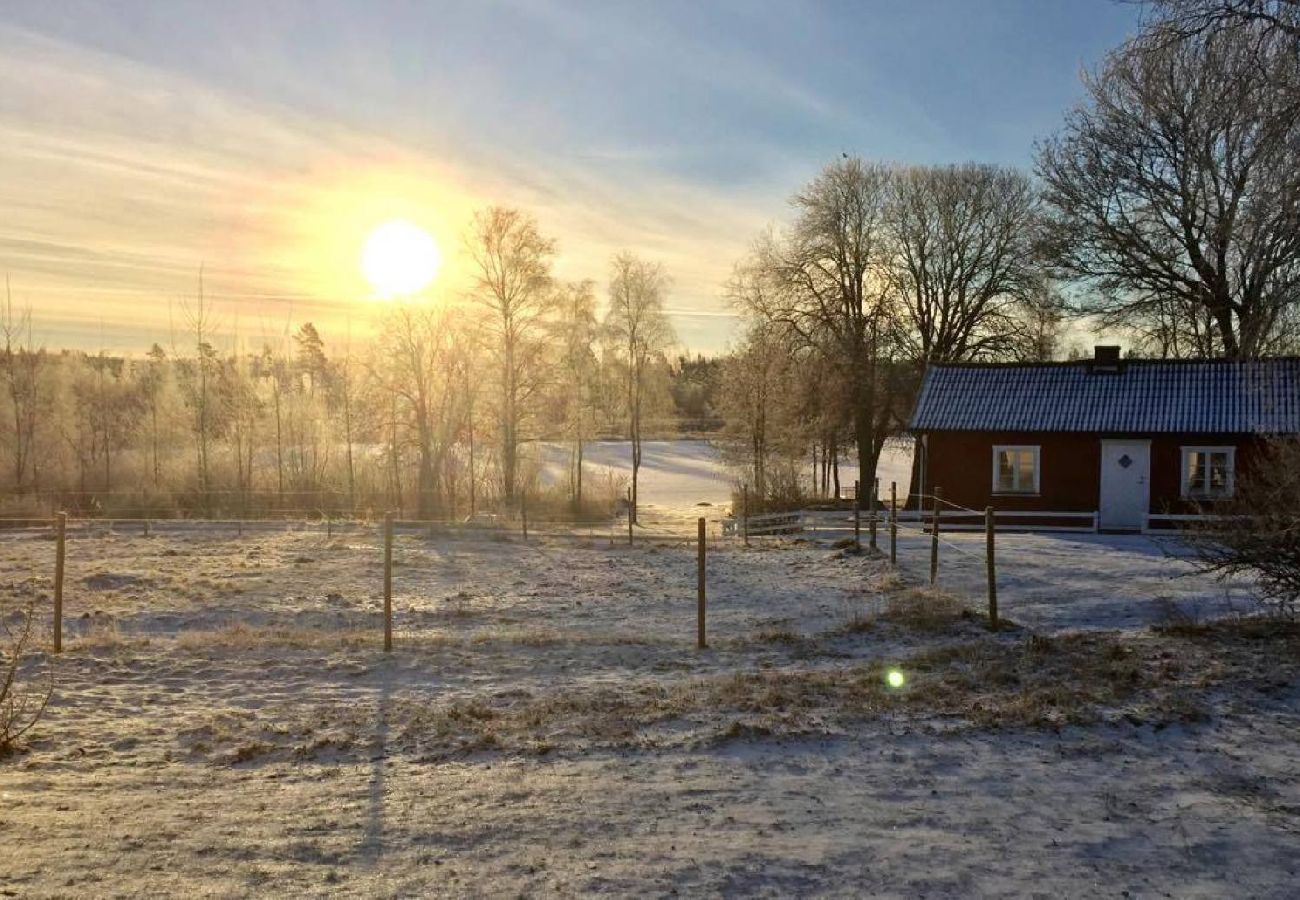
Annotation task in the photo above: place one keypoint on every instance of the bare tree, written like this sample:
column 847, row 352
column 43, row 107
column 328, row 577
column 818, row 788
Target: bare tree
column 152, row 386
column 640, row 332
column 424, row 367
column 961, row 259
column 512, row 263
column 578, row 332
column 756, row 379
column 1175, row 190
column 245, row 410
column 309, row 371
column 343, row 390
column 273, row 370
column 22, row 700
column 21, row 365
column 1197, row 18
column 824, row 279
column 199, row 397
column 1042, row 318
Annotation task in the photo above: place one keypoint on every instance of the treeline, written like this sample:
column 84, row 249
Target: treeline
column 439, row 416
column 1167, row 209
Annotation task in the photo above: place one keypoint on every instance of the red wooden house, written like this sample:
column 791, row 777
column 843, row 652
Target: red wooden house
column 1107, row 443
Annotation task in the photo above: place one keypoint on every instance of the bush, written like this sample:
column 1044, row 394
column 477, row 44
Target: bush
column 22, row 703
column 1258, row 530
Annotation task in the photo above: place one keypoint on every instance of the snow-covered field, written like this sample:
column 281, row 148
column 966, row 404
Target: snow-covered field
column 679, row 476
column 226, row 723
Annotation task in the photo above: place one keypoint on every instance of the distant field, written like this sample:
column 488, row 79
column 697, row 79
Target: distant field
column 677, row 476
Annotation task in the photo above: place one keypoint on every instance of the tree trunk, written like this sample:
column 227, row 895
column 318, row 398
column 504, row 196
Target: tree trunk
column 279, row 450
column 347, row 431
column 473, row 495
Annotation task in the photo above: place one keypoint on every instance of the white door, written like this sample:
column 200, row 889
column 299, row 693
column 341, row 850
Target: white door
column 1125, row 484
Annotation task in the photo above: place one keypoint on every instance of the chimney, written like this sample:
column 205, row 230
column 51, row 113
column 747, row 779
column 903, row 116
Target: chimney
column 1105, row 358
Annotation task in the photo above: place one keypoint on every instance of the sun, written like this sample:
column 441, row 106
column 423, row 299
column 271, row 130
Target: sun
column 399, row 258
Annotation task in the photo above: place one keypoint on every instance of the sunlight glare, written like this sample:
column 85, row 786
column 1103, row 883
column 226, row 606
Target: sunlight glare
column 399, row 258
column 895, row 679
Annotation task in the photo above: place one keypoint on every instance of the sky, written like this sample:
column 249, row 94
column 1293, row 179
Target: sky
column 261, row 142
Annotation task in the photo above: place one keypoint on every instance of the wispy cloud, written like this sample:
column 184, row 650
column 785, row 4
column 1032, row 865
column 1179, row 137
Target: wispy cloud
column 139, row 141
column 110, row 213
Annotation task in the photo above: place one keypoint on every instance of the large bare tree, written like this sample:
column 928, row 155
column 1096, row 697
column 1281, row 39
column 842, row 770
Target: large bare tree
column 1175, row 190
column 640, row 332
column 1274, row 19
column 767, row 426
column 512, row 271
column 961, row 259
column 824, row 279
column 424, row 360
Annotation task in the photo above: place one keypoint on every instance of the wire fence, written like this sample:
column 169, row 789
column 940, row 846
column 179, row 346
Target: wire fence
column 66, row 531
column 884, row 525
column 877, row 527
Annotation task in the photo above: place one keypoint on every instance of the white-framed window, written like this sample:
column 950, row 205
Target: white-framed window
column 1208, row 472
column 1015, row 470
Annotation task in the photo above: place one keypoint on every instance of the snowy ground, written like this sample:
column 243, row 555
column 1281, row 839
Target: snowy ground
column 1051, row 581
column 678, row 477
column 226, row 723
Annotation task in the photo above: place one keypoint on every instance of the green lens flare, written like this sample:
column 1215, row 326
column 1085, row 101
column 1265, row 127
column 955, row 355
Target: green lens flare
column 895, row 679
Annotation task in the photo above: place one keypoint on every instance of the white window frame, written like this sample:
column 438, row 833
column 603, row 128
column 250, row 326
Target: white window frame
column 1186, row 455
column 998, row 450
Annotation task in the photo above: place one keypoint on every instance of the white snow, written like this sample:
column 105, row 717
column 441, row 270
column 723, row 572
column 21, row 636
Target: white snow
column 226, row 723
column 677, row 477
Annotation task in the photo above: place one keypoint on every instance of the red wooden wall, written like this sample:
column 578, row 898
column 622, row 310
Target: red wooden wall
column 961, row 462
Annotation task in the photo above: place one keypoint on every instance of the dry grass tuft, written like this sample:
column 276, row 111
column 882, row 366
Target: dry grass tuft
column 926, row 610
column 1180, row 623
column 241, row 636
column 984, row 681
column 101, row 635
column 778, row 636
column 889, row 581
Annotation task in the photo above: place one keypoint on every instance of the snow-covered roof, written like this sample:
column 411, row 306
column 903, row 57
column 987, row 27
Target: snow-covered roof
column 1155, row 396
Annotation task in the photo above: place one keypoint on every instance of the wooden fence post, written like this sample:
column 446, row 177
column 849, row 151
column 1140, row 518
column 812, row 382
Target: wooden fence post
column 893, row 522
column 523, row 513
column 60, row 534
column 857, row 515
column 871, row 517
column 744, row 509
column 629, row 517
column 989, row 530
column 934, row 538
column 388, row 582
column 700, row 641
column 146, row 527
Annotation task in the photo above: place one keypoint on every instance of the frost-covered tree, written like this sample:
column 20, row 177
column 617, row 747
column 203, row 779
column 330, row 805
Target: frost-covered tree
column 639, row 333
column 511, row 262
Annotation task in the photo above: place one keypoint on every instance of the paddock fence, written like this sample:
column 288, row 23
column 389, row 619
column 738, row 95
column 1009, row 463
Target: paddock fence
column 68, row 535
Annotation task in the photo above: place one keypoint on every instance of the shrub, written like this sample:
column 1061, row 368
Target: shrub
column 22, row 702
column 1258, row 530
